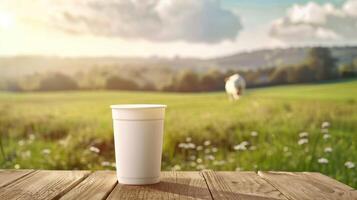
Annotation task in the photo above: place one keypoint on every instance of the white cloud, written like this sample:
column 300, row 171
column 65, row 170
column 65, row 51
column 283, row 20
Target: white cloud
column 200, row 21
column 350, row 7
column 317, row 23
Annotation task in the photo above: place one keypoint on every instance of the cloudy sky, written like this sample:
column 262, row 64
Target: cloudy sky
column 196, row 28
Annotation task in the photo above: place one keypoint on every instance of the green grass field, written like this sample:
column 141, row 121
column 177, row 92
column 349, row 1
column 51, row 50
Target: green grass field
column 262, row 131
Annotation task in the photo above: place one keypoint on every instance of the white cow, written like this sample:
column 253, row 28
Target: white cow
column 235, row 86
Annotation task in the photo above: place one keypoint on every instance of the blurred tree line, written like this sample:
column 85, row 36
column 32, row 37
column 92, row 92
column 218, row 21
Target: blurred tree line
column 318, row 66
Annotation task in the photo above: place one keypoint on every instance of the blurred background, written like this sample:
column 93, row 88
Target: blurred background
column 63, row 63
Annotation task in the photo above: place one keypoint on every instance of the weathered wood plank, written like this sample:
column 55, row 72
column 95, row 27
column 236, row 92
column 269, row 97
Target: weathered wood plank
column 323, row 178
column 43, row 184
column 9, row 176
column 27, row 184
column 96, row 186
column 173, row 185
column 239, row 185
column 301, row 186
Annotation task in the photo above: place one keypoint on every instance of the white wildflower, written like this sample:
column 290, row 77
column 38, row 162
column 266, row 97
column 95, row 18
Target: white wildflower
column 214, row 149
column 21, row 143
column 113, row 164
column 304, row 134
column 199, row 148
column 46, row 151
column 193, row 164
column 199, row 160
column 207, row 151
column 32, row 137
column 65, row 141
column 254, row 134
column 245, row 143
column 209, row 157
column 94, row 149
column 328, row 150
column 322, row 161
column 325, row 125
column 191, row 145
column 183, row 146
column 17, row 166
column 242, row 146
column 188, row 139
column 326, row 136
column 238, row 169
column 105, row 163
column 349, row 164
column 176, row 168
column 303, row 141
column 207, row 143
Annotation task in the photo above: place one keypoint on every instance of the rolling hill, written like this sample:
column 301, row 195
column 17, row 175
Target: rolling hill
column 25, row 65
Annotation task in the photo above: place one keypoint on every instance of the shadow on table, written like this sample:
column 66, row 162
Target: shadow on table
column 201, row 192
column 182, row 189
column 172, row 190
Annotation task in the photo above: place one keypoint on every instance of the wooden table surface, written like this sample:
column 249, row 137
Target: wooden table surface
column 45, row 184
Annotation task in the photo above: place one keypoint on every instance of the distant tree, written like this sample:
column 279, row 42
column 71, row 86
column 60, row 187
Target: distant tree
column 292, row 74
column 208, row 83
column 188, row 81
column 148, row 86
column 57, row 81
column 354, row 62
column 279, row 76
column 348, row 70
column 118, row 83
column 303, row 74
column 322, row 63
column 13, row 85
column 211, row 81
column 171, row 86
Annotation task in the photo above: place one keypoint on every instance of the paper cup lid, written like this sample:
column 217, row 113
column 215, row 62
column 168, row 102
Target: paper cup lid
column 138, row 111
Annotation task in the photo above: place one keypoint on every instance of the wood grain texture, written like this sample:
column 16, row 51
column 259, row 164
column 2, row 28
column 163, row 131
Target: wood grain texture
column 96, row 186
column 239, row 185
column 323, row 178
column 43, row 185
column 9, row 176
column 301, row 186
column 173, row 185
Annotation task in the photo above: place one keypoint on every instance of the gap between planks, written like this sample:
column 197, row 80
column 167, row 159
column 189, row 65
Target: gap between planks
column 240, row 186
column 173, row 185
column 97, row 185
column 14, row 175
column 222, row 185
column 43, row 184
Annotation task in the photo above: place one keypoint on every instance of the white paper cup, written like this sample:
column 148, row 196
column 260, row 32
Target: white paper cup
column 138, row 136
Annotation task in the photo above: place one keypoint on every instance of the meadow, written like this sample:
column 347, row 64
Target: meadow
column 291, row 128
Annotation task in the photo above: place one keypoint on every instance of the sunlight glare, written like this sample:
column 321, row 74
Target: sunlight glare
column 6, row 20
